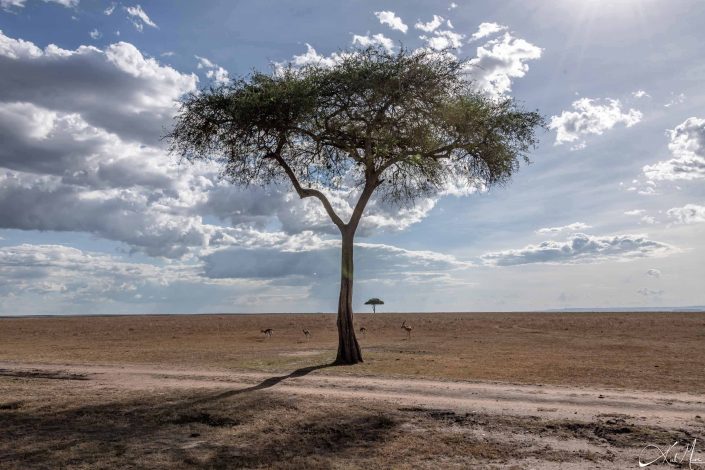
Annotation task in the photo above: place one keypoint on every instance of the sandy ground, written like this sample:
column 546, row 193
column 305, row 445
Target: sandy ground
column 651, row 408
column 121, row 393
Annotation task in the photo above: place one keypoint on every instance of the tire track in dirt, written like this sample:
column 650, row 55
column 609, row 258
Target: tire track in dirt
column 652, row 408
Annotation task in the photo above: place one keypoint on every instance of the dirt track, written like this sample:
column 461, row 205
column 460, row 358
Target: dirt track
column 658, row 409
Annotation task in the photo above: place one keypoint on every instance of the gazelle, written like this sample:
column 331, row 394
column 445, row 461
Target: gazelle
column 363, row 330
column 307, row 333
column 267, row 332
column 408, row 329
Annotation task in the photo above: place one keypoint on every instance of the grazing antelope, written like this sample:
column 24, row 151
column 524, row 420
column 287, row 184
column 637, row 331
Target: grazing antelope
column 363, row 330
column 408, row 329
column 267, row 332
column 307, row 333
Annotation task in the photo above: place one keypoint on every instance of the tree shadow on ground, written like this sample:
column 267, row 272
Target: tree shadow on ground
column 267, row 383
column 248, row 427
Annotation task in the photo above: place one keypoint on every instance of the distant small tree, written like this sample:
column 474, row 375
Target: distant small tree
column 374, row 302
column 399, row 124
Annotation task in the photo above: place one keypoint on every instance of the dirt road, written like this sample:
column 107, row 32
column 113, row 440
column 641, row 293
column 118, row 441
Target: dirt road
column 161, row 417
column 652, row 408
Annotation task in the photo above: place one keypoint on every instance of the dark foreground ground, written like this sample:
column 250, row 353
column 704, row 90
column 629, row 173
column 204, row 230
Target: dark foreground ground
column 467, row 390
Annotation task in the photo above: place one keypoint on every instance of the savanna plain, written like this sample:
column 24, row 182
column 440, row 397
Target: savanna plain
column 462, row 390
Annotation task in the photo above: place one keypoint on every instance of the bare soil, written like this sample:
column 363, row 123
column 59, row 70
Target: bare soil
column 466, row 390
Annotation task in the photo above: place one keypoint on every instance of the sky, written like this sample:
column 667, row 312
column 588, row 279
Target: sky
column 96, row 217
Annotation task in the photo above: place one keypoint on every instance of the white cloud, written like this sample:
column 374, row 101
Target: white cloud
column 97, row 166
column 109, row 11
column 392, row 20
column 444, row 39
column 431, row 26
column 9, row 4
column 65, row 3
column 139, row 17
column 641, row 94
column 116, row 88
column 95, row 34
column 568, row 228
column 653, row 272
column 204, row 63
column 499, row 61
column 635, row 212
column 76, row 274
column 676, row 99
column 213, row 71
column 647, row 188
column 311, row 57
column 376, row 39
column 589, row 117
column 487, row 29
column 453, row 6
column 688, row 214
column 581, row 248
column 687, row 146
column 219, row 75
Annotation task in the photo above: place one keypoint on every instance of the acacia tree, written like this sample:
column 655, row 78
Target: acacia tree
column 374, row 302
column 401, row 125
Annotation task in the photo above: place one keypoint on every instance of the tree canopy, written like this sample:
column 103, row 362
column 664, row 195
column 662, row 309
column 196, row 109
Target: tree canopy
column 407, row 121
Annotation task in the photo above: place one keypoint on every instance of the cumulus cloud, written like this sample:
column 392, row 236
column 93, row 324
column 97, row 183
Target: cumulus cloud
column 116, row 89
column 500, row 61
column 581, row 248
column 591, row 117
column 109, row 11
column 311, row 57
column 374, row 40
column 571, row 227
column 111, row 178
column 213, row 71
column 687, row 146
column 392, row 20
column 139, row 17
column 688, row 214
column 95, row 34
column 487, row 29
column 430, row 26
column 444, row 39
column 641, row 94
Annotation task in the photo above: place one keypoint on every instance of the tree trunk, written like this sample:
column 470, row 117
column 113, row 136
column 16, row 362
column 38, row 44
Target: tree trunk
column 348, row 348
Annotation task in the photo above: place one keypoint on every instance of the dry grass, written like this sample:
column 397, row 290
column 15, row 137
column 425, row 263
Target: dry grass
column 650, row 351
column 58, row 424
column 53, row 420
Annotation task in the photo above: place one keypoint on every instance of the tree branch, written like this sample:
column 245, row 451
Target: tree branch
column 370, row 185
column 306, row 192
